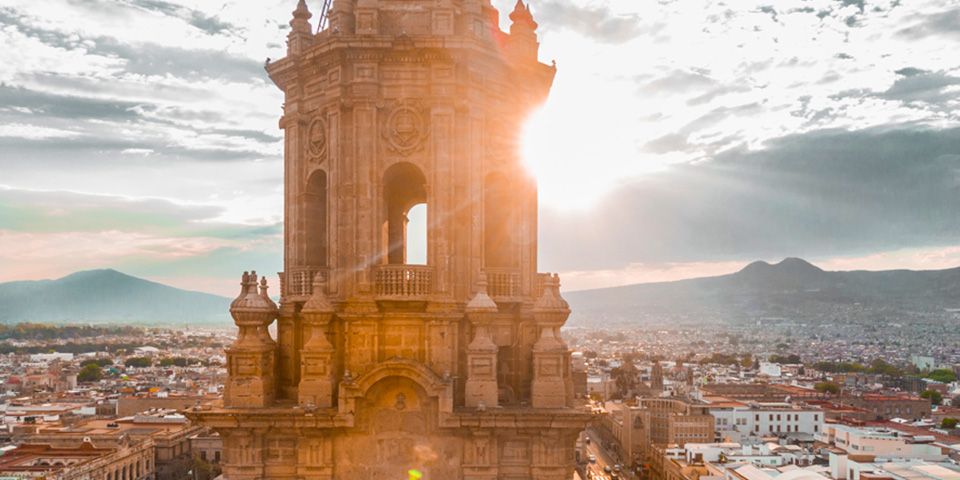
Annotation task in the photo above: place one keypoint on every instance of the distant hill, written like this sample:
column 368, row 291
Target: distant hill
column 793, row 288
column 107, row 296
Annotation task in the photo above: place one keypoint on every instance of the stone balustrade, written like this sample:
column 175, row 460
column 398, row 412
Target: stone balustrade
column 404, row 282
column 503, row 283
column 298, row 281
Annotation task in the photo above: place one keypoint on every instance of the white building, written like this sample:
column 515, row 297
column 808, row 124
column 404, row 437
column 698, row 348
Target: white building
column 49, row 357
column 740, row 420
column 770, row 369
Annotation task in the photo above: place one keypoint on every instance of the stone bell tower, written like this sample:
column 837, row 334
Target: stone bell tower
column 454, row 367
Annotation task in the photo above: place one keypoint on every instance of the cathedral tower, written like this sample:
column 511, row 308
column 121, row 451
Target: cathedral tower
column 453, row 367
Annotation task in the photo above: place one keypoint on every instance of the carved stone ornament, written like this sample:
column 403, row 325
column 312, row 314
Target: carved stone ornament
column 317, row 139
column 405, row 129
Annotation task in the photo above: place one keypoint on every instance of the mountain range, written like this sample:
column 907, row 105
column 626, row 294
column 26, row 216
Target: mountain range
column 793, row 288
column 108, row 296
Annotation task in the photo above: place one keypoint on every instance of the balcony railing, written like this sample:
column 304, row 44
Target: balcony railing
column 503, row 283
column 298, row 281
column 541, row 282
column 404, row 282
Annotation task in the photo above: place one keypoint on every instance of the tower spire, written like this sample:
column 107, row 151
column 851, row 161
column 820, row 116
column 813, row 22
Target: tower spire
column 301, row 32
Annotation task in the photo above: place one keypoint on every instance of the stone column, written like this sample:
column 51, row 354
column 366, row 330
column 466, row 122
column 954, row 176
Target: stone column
column 549, row 371
column 251, row 359
column 316, row 357
column 481, row 386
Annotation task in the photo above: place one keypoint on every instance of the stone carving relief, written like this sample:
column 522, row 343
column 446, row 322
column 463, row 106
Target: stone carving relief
column 405, row 129
column 317, row 139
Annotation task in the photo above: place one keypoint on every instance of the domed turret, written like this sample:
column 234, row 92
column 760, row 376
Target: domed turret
column 253, row 311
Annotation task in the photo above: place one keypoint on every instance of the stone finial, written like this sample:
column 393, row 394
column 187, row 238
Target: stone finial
column 252, row 307
column 263, row 292
column 522, row 17
column 301, row 19
column 481, row 311
column 302, row 12
column 481, row 307
column 318, row 303
column 551, row 308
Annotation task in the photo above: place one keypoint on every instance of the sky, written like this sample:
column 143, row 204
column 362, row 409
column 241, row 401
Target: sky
column 681, row 138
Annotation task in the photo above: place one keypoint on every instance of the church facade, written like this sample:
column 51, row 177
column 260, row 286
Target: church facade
column 381, row 369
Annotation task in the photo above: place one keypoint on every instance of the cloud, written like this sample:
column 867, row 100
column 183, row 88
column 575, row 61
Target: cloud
column 45, row 212
column 922, row 86
column 824, row 193
column 48, row 234
column 942, row 24
column 597, row 23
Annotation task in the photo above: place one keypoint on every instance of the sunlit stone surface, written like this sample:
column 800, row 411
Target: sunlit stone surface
column 454, row 368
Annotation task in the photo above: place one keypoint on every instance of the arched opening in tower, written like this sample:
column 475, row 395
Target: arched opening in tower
column 416, row 242
column 316, row 219
column 404, row 188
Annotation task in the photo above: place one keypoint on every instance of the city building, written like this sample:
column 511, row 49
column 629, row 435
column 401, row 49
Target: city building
column 878, row 441
column 451, row 364
column 83, row 461
column 736, row 419
column 632, row 432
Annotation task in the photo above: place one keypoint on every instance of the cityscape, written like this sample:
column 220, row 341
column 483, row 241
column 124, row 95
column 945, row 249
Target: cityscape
column 497, row 240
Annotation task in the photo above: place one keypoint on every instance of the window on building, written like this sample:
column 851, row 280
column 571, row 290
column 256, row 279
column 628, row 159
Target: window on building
column 908, row 410
column 815, row 428
column 404, row 189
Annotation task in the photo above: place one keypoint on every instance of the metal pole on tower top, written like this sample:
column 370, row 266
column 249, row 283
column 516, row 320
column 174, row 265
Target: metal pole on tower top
column 323, row 15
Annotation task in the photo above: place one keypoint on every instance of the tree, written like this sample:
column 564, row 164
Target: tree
column 166, row 362
column 948, row 423
column 827, row 387
column 101, row 362
column 881, row 367
column 933, row 395
column 90, row 373
column 138, row 362
column 942, row 375
column 746, row 361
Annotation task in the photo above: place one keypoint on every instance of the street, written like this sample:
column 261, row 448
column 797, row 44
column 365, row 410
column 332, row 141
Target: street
column 595, row 471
